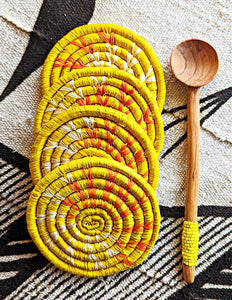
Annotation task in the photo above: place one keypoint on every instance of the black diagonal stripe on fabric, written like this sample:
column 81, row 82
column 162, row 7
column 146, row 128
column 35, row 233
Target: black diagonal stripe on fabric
column 209, row 114
column 175, row 145
column 203, row 224
column 58, row 283
column 13, row 184
column 176, row 283
column 170, row 125
column 50, row 26
column 144, row 282
column 216, row 232
column 45, row 279
column 157, row 249
column 3, row 165
column 17, row 232
column 64, row 281
column 203, row 108
column 74, row 287
column 17, row 201
column 125, row 275
column 15, row 204
column 118, row 278
column 169, row 221
column 23, row 192
column 226, row 96
column 5, row 173
column 128, row 294
column 43, row 270
column 17, row 249
column 220, row 221
column 208, row 275
column 19, row 208
column 213, row 245
column 177, row 263
column 169, row 260
column 11, row 176
column 26, row 191
column 174, row 110
column 10, row 216
column 14, row 158
column 25, row 267
column 223, row 94
column 92, row 289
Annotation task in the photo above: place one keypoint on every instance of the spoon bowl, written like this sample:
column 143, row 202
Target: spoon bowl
column 194, row 62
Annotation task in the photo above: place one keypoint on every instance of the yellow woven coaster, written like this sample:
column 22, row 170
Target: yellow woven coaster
column 93, row 131
column 107, row 87
column 105, row 45
column 93, row 217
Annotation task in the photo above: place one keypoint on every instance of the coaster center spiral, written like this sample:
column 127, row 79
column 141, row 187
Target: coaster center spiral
column 90, row 223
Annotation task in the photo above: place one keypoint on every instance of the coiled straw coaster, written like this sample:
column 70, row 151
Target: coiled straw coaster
column 108, row 87
column 105, row 45
column 93, row 131
column 93, row 217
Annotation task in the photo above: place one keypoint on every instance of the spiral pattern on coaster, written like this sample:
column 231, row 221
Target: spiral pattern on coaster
column 107, row 87
column 93, row 131
column 105, row 45
column 93, row 217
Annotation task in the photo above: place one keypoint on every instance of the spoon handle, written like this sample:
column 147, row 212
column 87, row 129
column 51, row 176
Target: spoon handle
column 190, row 228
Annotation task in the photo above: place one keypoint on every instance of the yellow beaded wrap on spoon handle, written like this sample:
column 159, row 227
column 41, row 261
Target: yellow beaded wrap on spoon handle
column 190, row 239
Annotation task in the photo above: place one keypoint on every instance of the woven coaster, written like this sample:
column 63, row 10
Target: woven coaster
column 107, row 45
column 108, row 87
column 93, row 131
column 93, row 217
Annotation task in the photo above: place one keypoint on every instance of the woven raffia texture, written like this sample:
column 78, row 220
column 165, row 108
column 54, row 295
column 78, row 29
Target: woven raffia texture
column 105, row 45
column 94, row 131
column 28, row 30
column 106, row 87
column 93, row 217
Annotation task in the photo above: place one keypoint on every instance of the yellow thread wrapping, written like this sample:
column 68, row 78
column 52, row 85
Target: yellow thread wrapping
column 130, row 53
column 93, row 217
column 56, row 145
column 190, row 239
column 63, row 95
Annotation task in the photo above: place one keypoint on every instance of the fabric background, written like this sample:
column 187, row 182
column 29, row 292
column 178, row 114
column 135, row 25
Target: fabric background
column 28, row 30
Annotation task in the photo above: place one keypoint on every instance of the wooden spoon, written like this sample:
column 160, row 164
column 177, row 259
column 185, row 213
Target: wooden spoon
column 195, row 63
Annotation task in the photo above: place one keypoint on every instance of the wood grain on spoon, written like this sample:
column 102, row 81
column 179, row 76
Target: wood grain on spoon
column 195, row 63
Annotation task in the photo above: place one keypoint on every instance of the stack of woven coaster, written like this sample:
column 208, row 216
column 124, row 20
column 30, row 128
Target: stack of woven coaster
column 98, row 133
